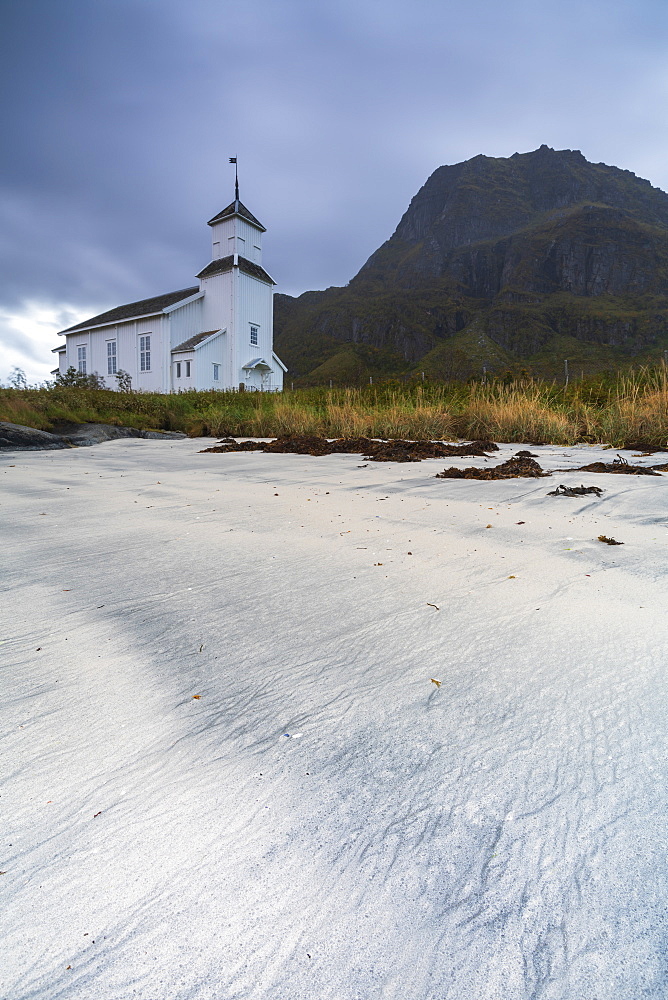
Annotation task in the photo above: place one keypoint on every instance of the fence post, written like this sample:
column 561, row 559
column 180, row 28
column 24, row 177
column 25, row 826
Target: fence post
column 330, row 383
column 370, row 379
column 566, row 369
column 292, row 386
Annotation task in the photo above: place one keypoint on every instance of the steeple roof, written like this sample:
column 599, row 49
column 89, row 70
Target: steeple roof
column 237, row 208
column 223, row 264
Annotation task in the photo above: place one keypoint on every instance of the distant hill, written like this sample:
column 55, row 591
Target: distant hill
column 498, row 262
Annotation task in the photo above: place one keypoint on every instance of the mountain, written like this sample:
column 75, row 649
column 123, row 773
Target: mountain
column 497, row 263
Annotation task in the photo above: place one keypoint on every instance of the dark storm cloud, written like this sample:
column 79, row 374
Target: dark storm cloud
column 121, row 115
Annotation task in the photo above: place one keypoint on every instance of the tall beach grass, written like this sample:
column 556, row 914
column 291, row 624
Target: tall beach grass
column 613, row 409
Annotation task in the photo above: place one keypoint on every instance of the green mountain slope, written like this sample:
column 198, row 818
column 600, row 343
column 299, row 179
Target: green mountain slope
column 497, row 263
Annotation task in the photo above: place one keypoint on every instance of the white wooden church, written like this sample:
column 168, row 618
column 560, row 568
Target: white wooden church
column 215, row 335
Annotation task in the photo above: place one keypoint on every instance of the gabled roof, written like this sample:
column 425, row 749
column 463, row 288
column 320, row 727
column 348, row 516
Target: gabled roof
column 227, row 263
column 257, row 363
column 236, row 208
column 145, row 307
column 192, row 342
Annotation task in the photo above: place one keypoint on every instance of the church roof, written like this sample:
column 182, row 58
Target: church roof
column 227, row 263
column 192, row 342
column 237, row 208
column 145, row 307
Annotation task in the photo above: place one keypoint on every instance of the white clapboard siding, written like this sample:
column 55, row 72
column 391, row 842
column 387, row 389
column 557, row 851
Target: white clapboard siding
column 235, row 235
column 255, row 308
column 186, row 321
column 212, row 352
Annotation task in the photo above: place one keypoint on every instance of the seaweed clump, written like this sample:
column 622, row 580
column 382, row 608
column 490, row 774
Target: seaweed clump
column 620, row 466
column 575, row 491
column 414, row 451
column 517, row 467
column 395, row 450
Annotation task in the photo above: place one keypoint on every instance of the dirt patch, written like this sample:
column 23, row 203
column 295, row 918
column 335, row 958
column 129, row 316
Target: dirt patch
column 377, row 451
column 516, row 467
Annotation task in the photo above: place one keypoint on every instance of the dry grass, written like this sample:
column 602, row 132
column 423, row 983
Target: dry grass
column 614, row 410
column 398, row 417
column 517, row 413
column 638, row 413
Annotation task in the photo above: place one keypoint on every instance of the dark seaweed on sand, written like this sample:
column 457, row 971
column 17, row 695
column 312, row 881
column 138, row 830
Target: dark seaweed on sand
column 517, row 467
column 575, row 491
column 377, row 451
column 620, row 466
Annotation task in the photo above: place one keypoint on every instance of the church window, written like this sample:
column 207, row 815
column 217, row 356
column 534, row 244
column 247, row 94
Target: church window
column 187, row 364
column 253, row 334
column 178, row 369
column 216, row 373
column 145, row 353
column 111, row 357
column 81, row 359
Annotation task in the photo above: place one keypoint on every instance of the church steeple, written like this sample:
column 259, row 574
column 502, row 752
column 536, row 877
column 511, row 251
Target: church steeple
column 235, row 231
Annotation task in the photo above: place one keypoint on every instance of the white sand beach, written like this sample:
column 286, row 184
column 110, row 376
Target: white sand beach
column 226, row 772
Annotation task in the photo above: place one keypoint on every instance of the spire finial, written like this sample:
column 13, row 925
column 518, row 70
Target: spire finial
column 233, row 160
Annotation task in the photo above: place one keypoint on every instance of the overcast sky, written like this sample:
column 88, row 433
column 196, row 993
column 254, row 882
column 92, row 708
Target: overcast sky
column 119, row 117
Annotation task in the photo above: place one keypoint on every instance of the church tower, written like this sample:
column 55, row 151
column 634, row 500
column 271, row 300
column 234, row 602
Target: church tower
column 238, row 297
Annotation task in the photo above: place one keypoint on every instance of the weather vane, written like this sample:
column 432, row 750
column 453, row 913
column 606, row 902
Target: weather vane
column 233, row 160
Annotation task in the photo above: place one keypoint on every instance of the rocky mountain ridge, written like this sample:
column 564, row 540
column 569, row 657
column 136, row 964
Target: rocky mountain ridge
column 498, row 261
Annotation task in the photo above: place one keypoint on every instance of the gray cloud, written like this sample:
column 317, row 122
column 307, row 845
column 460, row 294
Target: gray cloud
column 122, row 114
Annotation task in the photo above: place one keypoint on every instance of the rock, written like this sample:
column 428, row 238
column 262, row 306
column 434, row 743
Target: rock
column 18, row 438
column 14, row 437
column 82, row 435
